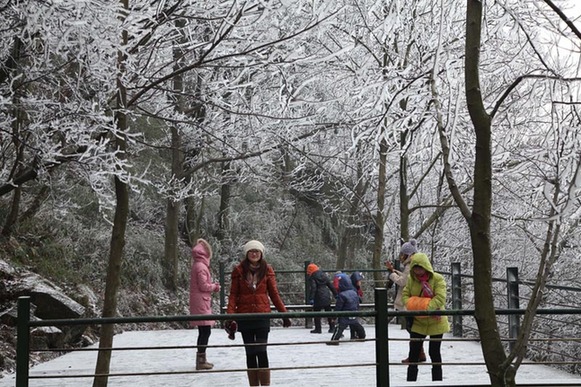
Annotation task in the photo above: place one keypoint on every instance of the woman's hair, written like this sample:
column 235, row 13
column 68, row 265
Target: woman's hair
column 261, row 267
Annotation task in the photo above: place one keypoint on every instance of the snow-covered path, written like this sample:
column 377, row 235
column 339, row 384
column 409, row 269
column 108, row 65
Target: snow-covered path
column 229, row 362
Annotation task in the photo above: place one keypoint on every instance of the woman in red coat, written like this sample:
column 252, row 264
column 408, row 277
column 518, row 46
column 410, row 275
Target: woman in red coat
column 201, row 288
column 253, row 286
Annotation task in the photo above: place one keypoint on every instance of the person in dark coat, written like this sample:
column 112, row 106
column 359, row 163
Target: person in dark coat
column 320, row 292
column 348, row 299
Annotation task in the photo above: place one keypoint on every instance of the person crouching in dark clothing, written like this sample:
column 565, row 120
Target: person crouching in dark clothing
column 348, row 299
column 320, row 292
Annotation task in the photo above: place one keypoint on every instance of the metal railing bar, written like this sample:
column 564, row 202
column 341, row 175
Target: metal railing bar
column 249, row 316
column 154, row 373
column 178, row 347
column 313, row 367
column 221, row 317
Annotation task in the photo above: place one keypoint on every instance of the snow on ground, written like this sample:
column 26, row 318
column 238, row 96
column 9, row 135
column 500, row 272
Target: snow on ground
column 328, row 363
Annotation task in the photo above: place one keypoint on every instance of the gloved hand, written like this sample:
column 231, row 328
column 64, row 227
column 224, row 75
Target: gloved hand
column 311, row 302
column 231, row 326
column 286, row 322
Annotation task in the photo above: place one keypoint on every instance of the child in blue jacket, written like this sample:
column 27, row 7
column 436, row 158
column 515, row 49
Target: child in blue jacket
column 347, row 299
column 356, row 278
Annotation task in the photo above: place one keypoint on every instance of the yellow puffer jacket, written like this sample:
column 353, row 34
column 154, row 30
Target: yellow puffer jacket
column 411, row 295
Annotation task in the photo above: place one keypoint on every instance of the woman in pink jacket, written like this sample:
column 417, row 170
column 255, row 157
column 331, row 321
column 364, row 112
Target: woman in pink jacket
column 201, row 288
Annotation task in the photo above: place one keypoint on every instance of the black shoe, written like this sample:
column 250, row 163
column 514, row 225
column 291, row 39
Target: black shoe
column 316, row 331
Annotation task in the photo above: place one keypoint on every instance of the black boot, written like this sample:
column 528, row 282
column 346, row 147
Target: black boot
column 352, row 333
column 253, row 377
column 412, row 373
column 264, row 377
column 317, row 325
column 331, row 325
column 436, row 373
column 360, row 332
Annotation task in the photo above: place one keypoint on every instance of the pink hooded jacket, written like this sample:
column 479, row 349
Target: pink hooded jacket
column 201, row 285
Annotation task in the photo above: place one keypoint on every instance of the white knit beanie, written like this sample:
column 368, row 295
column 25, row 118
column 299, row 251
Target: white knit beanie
column 253, row 245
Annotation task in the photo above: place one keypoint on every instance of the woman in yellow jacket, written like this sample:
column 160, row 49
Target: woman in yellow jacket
column 425, row 290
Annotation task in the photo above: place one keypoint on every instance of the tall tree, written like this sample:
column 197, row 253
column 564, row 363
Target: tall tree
column 173, row 205
column 113, row 279
column 479, row 218
column 501, row 368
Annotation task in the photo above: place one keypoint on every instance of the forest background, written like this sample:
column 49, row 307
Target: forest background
column 330, row 131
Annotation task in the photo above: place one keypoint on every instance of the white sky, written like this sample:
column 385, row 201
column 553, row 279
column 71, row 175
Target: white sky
column 231, row 357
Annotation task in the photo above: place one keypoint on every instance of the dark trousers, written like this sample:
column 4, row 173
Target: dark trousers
column 204, row 332
column 255, row 346
column 317, row 320
column 433, row 350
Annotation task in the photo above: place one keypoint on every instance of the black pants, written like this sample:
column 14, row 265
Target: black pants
column 326, row 308
column 255, row 346
column 204, row 332
column 433, row 350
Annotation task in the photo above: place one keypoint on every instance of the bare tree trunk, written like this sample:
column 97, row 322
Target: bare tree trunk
column 225, row 196
column 172, row 217
column 345, row 250
column 17, row 123
column 479, row 221
column 118, row 233
column 173, row 206
column 193, row 218
column 171, row 251
column 12, row 216
column 346, row 246
column 404, row 211
column 113, row 280
column 342, row 251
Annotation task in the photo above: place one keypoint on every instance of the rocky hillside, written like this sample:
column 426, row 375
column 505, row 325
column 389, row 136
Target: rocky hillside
column 52, row 301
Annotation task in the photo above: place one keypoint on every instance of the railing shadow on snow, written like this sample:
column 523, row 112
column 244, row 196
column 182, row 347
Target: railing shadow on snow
column 379, row 311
